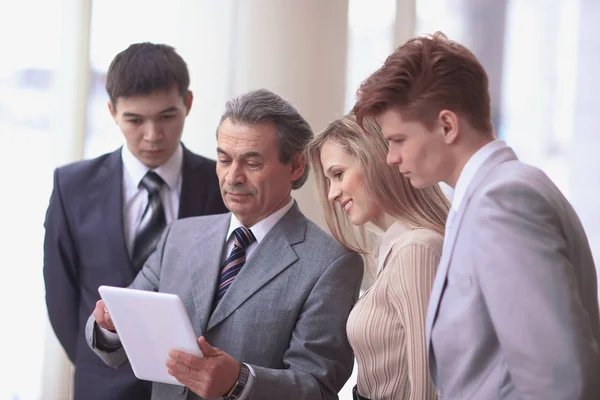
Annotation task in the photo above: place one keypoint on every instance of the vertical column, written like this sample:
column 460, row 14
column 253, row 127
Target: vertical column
column 406, row 14
column 484, row 34
column 298, row 50
column 72, row 81
column 206, row 29
column 68, row 127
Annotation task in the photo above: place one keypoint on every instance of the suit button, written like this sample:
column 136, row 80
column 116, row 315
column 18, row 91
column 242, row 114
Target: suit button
column 440, row 393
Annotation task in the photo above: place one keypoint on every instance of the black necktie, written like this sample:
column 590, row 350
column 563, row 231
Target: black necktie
column 153, row 221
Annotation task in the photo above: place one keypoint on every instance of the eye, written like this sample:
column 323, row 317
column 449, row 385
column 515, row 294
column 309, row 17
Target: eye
column 338, row 175
column 167, row 117
column 224, row 161
column 134, row 121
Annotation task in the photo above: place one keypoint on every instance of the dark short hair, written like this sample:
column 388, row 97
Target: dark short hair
column 424, row 76
column 262, row 105
column 143, row 68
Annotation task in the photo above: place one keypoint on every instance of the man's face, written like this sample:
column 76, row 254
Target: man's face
column 419, row 153
column 152, row 123
column 254, row 182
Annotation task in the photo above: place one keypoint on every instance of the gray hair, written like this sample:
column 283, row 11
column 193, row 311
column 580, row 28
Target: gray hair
column 262, row 105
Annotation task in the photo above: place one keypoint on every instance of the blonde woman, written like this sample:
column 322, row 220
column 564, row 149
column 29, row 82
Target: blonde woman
column 386, row 328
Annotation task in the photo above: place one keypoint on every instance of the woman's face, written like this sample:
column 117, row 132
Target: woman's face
column 347, row 184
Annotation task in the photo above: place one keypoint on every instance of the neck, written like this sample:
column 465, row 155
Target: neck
column 471, row 143
column 384, row 221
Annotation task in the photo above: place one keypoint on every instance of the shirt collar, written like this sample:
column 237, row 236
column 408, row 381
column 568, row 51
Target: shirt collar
column 471, row 168
column 170, row 171
column 261, row 228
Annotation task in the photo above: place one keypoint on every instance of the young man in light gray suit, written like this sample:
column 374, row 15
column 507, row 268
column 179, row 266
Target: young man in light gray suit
column 513, row 312
column 263, row 285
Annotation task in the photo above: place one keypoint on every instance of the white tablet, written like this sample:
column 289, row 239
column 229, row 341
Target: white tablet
column 150, row 324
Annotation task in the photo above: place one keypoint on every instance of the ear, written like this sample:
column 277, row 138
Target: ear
column 188, row 102
column 298, row 165
column 113, row 110
column 449, row 125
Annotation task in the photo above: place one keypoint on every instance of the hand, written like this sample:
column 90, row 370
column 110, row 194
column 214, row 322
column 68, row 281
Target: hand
column 102, row 317
column 209, row 377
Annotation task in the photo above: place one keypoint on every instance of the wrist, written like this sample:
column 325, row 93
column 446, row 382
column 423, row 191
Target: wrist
column 238, row 387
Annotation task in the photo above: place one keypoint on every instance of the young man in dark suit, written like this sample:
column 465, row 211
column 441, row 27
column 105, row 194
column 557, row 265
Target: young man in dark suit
column 106, row 215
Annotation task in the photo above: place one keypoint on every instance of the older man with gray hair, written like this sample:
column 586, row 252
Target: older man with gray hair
column 269, row 290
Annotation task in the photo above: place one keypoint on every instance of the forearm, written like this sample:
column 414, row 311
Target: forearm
column 115, row 357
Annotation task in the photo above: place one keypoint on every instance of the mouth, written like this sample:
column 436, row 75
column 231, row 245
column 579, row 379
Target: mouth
column 237, row 195
column 153, row 152
column 347, row 205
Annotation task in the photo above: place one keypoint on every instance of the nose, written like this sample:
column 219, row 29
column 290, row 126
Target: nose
column 393, row 157
column 153, row 132
column 334, row 193
column 235, row 175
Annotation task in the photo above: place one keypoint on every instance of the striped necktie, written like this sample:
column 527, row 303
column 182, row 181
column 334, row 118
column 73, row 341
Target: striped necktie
column 153, row 221
column 234, row 263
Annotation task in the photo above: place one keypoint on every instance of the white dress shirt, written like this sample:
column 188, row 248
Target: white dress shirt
column 468, row 173
column 135, row 198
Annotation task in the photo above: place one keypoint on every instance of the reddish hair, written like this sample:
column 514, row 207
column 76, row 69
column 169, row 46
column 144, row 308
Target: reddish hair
column 425, row 76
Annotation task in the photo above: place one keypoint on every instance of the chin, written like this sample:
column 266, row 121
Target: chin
column 420, row 183
column 358, row 221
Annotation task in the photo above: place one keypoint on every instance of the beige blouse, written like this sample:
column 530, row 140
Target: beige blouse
column 386, row 327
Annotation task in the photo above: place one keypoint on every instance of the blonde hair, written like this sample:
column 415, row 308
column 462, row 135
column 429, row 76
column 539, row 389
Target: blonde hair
column 389, row 189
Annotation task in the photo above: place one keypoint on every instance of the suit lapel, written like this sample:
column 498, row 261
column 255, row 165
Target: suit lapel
column 272, row 256
column 193, row 197
column 111, row 194
column 498, row 157
column 207, row 251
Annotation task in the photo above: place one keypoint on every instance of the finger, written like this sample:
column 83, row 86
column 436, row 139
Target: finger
column 98, row 315
column 181, row 370
column 108, row 321
column 207, row 349
column 186, row 359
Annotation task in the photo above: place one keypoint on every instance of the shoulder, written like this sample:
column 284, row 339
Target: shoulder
column 78, row 174
column 421, row 240
column 193, row 224
column 415, row 257
column 322, row 242
column 517, row 187
column 318, row 251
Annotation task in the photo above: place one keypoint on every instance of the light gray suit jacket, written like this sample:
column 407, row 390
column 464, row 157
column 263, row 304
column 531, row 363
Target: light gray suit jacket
column 285, row 314
column 513, row 312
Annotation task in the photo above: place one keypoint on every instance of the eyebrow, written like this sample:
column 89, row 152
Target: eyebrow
column 250, row 154
column 394, row 134
column 330, row 168
column 166, row 110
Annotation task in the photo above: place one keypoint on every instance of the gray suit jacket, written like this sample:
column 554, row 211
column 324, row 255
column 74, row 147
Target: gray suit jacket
column 285, row 314
column 513, row 312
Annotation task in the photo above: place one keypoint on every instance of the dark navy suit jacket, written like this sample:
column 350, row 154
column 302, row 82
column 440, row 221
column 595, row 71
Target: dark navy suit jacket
column 84, row 248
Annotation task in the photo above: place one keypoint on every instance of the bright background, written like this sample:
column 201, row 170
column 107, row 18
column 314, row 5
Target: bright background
column 542, row 59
